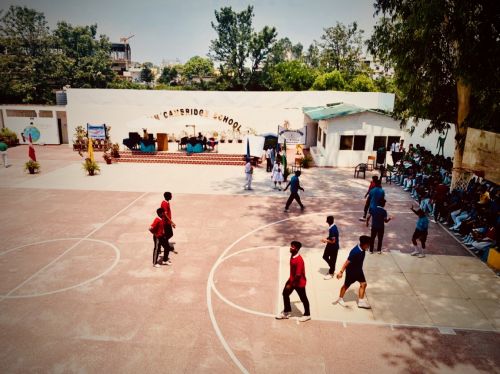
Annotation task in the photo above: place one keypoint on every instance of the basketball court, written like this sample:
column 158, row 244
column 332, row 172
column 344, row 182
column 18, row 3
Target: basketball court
column 78, row 292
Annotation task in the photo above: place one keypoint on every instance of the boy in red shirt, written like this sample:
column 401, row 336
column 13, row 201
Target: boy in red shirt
column 156, row 229
column 168, row 225
column 297, row 282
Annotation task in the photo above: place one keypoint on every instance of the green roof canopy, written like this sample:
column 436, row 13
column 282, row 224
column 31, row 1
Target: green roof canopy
column 332, row 111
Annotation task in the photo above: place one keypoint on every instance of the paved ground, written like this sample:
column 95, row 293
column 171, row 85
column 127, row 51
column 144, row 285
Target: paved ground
column 79, row 294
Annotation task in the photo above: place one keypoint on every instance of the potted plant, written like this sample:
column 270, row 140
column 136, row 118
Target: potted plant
column 223, row 137
column 32, row 166
column 107, row 157
column 115, row 150
column 306, row 161
column 238, row 137
column 90, row 166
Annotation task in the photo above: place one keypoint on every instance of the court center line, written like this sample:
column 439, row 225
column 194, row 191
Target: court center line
column 3, row 297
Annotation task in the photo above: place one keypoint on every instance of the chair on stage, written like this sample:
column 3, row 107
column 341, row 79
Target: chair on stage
column 133, row 141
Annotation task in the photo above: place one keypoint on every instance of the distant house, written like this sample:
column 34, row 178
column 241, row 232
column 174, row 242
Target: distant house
column 344, row 135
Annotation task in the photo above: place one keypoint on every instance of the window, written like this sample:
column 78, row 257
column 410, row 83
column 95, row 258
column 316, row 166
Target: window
column 21, row 113
column 46, row 113
column 324, row 140
column 346, row 142
column 359, row 143
column 379, row 142
column 319, row 134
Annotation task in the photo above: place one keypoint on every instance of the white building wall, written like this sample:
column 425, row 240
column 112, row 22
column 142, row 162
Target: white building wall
column 430, row 141
column 262, row 111
column 368, row 124
column 49, row 132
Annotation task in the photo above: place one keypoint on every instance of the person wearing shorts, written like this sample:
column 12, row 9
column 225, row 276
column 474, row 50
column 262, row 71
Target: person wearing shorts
column 420, row 233
column 353, row 268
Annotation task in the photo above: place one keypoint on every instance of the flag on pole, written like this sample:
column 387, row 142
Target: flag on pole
column 283, row 156
column 31, row 150
column 91, row 150
column 248, row 149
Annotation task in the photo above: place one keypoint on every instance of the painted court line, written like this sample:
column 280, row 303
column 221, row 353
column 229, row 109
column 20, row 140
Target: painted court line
column 3, row 297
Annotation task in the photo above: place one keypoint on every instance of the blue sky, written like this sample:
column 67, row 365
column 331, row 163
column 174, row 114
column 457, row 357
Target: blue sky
column 181, row 29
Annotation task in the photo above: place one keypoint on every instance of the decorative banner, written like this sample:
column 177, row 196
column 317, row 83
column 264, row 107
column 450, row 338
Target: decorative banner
column 96, row 131
column 202, row 113
column 292, row 136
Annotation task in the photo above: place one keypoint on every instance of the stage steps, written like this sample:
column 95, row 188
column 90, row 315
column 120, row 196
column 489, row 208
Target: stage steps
column 208, row 158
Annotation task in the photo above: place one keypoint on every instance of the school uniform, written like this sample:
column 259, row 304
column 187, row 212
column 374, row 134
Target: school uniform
column 421, row 231
column 332, row 249
column 354, row 271
column 377, row 194
column 379, row 215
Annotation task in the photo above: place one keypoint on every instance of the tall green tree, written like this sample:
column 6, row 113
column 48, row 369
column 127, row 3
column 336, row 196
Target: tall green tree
column 292, row 76
column 341, row 48
column 446, row 57
column 312, row 56
column 329, row 81
column 240, row 50
column 198, row 68
column 146, row 73
column 83, row 59
column 26, row 65
column 168, row 75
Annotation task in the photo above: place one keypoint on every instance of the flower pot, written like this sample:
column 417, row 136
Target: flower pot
column 91, row 172
column 31, row 170
column 108, row 161
column 240, row 140
column 223, row 140
column 230, row 141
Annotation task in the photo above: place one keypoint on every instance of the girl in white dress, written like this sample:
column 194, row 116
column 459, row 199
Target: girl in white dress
column 277, row 174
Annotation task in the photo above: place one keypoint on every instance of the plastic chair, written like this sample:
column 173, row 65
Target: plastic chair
column 370, row 163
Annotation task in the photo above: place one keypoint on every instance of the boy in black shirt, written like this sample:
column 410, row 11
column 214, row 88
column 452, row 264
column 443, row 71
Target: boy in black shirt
column 354, row 272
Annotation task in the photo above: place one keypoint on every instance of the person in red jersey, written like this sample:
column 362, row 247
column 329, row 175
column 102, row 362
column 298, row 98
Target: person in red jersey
column 156, row 229
column 297, row 281
column 168, row 226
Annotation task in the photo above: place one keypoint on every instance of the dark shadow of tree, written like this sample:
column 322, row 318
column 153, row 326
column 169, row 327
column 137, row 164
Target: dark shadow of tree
column 430, row 352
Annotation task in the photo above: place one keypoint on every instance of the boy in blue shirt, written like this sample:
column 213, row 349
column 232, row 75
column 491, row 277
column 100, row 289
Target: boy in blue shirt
column 332, row 247
column 420, row 232
column 294, row 191
column 354, row 272
column 377, row 194
column 379, row 218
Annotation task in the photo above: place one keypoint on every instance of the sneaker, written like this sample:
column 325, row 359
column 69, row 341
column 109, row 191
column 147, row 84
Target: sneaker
column 168, row 262
column 304, row 318
column 414, row 253
column 302, row 207
column 433, row 220
column 362, row 219
column 371, row 252
column 157, row 265
column 421, row 255
column 340, row 301
column 362, row 303
column 283, row 315
column 328, row 276
column 379, row 252
column 285, row 211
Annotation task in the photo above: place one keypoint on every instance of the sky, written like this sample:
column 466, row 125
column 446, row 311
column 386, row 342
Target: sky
column 180, row 29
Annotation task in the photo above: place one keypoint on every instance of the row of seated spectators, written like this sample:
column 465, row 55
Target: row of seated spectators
column 471, row 212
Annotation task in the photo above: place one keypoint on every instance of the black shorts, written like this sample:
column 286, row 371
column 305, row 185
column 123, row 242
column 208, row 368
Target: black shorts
column 421, row 235
column 353, row 278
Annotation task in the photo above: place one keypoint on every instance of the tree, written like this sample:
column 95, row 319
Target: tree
column 83, row 60
column 361, row 83
column 341, row 48
column 446, row 58
column 146, row 73
column 238, row 45
column 329, row 81
column 168, row 75
column 25, row 64
column 312, row 56
column 198, row 67
column 292, row 76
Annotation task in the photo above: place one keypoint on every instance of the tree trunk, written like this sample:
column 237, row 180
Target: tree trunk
column 463, row 96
